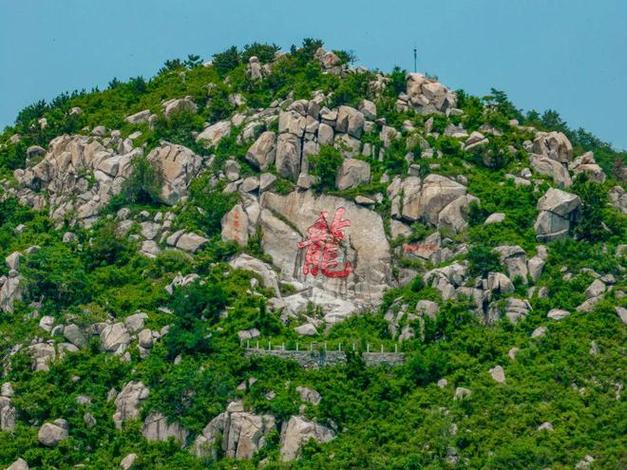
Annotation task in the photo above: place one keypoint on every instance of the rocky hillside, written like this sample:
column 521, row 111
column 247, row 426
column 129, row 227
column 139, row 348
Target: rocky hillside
column 277, row 260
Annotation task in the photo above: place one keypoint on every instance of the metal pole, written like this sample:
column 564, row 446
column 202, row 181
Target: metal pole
column 415, row 60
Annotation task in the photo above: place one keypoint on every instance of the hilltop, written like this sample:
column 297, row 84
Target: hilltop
column 279, row 260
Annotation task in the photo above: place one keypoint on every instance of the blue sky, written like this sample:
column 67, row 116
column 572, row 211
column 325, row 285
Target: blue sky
column 568, row 55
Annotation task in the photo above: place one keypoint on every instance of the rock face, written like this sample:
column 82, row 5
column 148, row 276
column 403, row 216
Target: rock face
column 587, row 165
column 10, row 291
column 618, row 198
column 179, row 166
column 352, row 173
column 242, row 433
column 50, row 434
column 557, row 210
column 269, row 277
column 213, row 134
column 115, row 338
column 62, row 175
column 157, row 428
column 426, row 95
column 296, row 232
column 297, row 432
column 554, row 145
column 436, row 200
column 179, row 105
column 128, row 401
column 553, row 168
column 262, row 153
column 19, row 464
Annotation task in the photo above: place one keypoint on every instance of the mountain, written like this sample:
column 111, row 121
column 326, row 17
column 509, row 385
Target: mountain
column 278, row 260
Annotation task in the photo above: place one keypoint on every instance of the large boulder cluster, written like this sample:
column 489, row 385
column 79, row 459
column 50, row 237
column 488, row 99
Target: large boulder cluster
column 239, row 433
column 11, row 285
column 436, row 199
column 78, row 175
column 426, row 95
column 551, row 154
column 558, row 209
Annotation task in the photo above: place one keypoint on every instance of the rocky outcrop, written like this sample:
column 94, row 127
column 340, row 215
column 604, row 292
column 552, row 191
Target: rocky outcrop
column 213, row 134
column 239, row 433
column 63, row 175
column 269, row 277
column 179, row 105
column 10, row 290
column 356, row 267
column 179, row 165
column 8, row 413
column 128, row 402
column 157, row 428
column 50, row 434
column 587, row 165
column 297, row 432
column 618, row 198
column 553, row 168
column 558, row 209
column 115, row 338
column 553, row 145
column 262, row 153
column 426, row 95
column 435, row 199
column 19, row 464
column 352, row 173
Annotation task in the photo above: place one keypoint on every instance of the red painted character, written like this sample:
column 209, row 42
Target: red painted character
column 322, row 245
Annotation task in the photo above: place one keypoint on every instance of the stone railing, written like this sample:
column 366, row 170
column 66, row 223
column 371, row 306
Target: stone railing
column 314, row 358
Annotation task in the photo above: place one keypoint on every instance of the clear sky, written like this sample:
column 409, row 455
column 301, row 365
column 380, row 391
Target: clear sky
column 568, row 55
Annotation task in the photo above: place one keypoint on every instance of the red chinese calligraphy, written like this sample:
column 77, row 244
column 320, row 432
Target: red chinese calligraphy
column 322, row 245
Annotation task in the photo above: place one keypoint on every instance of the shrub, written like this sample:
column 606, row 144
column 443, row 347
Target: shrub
column 195, row 308
column 144, row 184
column 594, row 199
column 226, row 61
column 264, row 52
column 325, row 166
column 482, row 260
column 56, row 275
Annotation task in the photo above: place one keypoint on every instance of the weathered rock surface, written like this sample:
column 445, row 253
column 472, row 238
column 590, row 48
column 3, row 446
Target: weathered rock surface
column 115, row 338
column 19, row 464
column 554, row 145
column 242, row 433
column 557, row 210
column 157, row 428
column 179, row 105
column 262, row 153
column 213, row 134
column 437, row 200
column 297, row 432
column 426, row 95
column 179, row 166
column 352, row 173
column 59, row 179
column 359, row 269
column 50, row 434
column 128, row 402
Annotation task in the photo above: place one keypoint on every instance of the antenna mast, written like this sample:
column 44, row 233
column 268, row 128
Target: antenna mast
column 415, row 59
